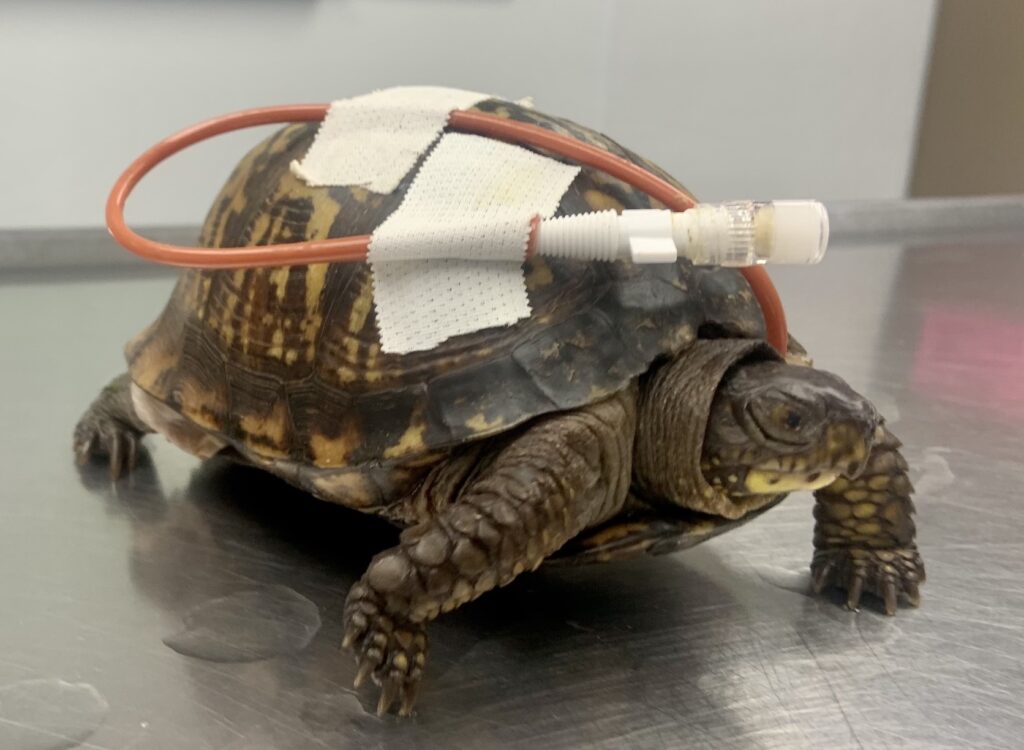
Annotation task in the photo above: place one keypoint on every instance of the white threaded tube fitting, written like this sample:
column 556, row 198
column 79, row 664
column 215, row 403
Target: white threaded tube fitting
column 590, row 236
column 728, row 234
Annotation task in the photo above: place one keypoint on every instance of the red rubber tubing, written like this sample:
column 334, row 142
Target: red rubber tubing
column 353, row 249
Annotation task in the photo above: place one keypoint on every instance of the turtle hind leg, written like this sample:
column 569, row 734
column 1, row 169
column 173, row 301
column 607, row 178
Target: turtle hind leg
column 864, row 538
column 110, row 429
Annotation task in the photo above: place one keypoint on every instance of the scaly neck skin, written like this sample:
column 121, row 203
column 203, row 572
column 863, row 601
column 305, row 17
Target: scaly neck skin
column 730, row 439
column 675, row 403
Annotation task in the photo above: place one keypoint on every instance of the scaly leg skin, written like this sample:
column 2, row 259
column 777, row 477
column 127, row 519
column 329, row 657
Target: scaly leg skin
column 557, row 477
column 864, row 536
column 111, row 429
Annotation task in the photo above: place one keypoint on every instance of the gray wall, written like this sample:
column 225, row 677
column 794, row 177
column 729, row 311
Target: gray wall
column 738, row 99
column 971, row 138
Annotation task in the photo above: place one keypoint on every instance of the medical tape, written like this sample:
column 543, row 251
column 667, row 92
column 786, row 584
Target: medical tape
column 374, row 140
column 472, row 200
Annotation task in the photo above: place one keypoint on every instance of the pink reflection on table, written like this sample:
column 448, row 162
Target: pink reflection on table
column 971, row 357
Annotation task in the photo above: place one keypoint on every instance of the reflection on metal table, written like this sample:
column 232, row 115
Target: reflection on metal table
column 199, row 605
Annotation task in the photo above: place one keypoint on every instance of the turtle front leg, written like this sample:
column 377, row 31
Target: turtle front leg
column 864, row 535
column 535, row 492
column 110, row 428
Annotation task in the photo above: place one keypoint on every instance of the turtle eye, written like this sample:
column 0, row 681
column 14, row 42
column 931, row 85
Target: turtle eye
column 783, row 422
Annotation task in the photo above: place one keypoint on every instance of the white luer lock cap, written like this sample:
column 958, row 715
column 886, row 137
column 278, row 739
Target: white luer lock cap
column 747, row 233
column 799, row 232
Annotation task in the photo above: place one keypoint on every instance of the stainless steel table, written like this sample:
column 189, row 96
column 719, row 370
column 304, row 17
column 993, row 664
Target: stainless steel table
column 198, row 606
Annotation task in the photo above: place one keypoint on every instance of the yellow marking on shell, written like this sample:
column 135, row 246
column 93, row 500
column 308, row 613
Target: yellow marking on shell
column 871, row 528
column 539, row 276
column 614, row 533
column 358, row 194
column 360, row 309
column 332, row 451
column 855, row 496
column 201, row 404
column 280, row 144
column 279, row 278
column 202, row 294
column 427, row 459
column 223, row 328
column 235, row 187
column 372, row 373
column 763, row 482
column 410, row 442
column 601, row 201
column 188, row 290
column 479, row 423
column 269, row 429
column 151, row 362
column 291, row 356
column 346, row 374
column 244, row 319
column 352, row 348
column 276, row 342
column 350, row 488
column 325, row 208
column 316, row 274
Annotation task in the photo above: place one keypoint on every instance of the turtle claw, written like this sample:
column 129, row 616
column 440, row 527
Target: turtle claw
column 100, row 436
column 853, row 593
column 388, row 693
column 364, row 671
column 392, row 650
column 110, row 430
column 821, row 576
column 912, row 592
column 890, row 596
column 885, row 573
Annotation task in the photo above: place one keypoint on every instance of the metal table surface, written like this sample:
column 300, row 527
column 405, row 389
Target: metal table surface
column 198, row 606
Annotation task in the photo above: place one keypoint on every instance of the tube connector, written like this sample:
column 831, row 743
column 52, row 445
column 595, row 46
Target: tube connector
column 727, row 234
column 749, row 233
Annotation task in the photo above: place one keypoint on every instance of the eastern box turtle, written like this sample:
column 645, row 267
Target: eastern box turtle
column 638, row 410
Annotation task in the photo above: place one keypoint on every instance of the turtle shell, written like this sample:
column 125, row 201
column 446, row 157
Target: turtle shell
column 642, row 529
column 285, row 362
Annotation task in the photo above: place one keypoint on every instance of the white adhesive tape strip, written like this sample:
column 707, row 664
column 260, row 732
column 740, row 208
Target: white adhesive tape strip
column 374, row 140
column 471, row 202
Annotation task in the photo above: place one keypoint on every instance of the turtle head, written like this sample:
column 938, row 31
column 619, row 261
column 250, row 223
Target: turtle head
column 776, row 427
